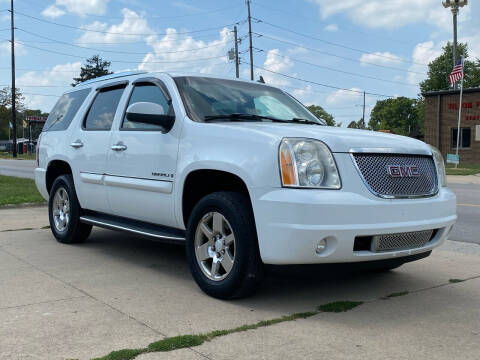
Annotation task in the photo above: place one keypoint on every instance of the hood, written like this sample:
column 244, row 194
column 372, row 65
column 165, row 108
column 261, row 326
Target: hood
column 339, row 140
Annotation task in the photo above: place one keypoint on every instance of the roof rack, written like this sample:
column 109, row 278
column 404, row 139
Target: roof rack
column 113, row 76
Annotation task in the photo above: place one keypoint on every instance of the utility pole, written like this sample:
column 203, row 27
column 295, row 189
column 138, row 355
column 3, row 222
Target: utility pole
column 363, row 118
column 250, row 38
column 237, row 60
column 14, row 111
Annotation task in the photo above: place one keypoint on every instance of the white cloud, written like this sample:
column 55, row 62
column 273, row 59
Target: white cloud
column 276, row 62
column 380, row 58
column 52, row 12
column 172, row 52
column 331, row 28
column 344, row 96
column 132, row 23
column 59, row 74
column 423, row 53
column 390, row 13
column 79, row 7
column 5, row 49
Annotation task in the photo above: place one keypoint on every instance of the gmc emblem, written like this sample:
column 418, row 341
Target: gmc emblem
column 400, row 171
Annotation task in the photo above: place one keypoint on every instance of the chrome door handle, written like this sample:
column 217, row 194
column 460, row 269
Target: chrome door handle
column 119, row 147
column 76, row 144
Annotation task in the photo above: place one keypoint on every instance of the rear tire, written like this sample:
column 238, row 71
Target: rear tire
column 64, row 212
column 222, row 247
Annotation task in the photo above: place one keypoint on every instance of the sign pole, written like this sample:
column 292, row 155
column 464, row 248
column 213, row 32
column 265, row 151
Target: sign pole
column 460, row 114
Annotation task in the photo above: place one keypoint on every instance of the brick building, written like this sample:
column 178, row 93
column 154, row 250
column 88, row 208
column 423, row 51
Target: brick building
column 441, row 118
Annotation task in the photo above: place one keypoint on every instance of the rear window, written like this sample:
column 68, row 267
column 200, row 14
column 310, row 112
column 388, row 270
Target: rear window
column 64, row 110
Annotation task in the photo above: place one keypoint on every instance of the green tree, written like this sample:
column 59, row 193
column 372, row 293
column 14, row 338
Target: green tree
column 6, row 112
column 320, row 113
column 441, row 67
column 360, row 124
column 400, row 115
column 6, row 98
column 94, row 67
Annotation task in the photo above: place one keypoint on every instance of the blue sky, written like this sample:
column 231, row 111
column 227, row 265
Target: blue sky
column 377, row 46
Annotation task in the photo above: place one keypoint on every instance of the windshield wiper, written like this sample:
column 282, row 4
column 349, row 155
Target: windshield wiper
column 241, row 116
column 254, row 117
column 305, row 121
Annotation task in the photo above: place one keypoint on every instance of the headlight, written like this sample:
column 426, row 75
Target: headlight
column 440, row 165
column 307, row 163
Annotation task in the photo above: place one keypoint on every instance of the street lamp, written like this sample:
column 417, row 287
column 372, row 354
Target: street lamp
column 455, row 6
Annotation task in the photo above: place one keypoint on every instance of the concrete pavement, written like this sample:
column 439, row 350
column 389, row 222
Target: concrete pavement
column 118, row 291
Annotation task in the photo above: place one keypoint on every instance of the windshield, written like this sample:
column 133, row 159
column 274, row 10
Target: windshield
column 206, row 97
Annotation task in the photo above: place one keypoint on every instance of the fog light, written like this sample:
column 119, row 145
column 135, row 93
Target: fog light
column 321, row 246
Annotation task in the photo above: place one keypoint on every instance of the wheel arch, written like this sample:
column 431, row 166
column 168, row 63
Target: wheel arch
column 55, row 169
column 201, row 182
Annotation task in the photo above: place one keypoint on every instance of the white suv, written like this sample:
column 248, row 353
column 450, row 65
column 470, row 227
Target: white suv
column 240, row 172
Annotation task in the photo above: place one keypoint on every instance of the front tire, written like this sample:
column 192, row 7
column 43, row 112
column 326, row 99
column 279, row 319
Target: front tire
column 222, row 248
column 64, row 212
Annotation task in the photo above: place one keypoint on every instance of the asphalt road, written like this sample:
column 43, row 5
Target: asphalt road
column 18, row 168
column 467, row 228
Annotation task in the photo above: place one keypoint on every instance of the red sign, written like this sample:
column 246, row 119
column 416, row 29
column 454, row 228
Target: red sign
column 465, row 105
column 36, row 118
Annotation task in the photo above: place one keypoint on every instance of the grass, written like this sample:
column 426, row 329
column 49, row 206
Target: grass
column 5, row 155
column 187, row 341
column 463, row 169
column 455, row 281
column 15, row 190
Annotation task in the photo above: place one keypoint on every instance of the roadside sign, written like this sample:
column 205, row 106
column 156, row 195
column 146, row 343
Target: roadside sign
column 453, row 159
column 39, row 119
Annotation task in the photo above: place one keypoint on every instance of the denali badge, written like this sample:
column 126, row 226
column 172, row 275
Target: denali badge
column 403, row 171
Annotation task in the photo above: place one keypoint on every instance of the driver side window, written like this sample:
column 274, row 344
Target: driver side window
column 146, row 93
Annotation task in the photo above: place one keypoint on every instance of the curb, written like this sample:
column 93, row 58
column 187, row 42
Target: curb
column 23, row 205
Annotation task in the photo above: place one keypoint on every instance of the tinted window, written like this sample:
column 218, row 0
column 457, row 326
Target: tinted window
column 64, row 110
column 465, row 138
column 101, row 113
column 147, row 93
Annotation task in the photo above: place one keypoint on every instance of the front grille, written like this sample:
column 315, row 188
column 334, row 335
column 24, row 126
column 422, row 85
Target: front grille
column 401, row 241
column 374, row 170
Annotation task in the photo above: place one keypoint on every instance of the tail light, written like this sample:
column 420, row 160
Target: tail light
column 37, row 150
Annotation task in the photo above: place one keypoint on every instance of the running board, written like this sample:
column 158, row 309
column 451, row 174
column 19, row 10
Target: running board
column 158, row 232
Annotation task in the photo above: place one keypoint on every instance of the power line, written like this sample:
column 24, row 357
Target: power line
column 124, row 34
column 324, row 85
column 148, row 16
column 120, row 61
column 339, row 45
column 341, row 71
column 48, row 95
column 338, row 56
column 115, row 51
column 343, row 27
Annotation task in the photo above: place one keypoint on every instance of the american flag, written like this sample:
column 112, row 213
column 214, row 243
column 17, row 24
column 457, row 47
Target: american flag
column 457, row 72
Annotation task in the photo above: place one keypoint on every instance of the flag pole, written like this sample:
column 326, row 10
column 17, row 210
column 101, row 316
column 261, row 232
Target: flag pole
column 460, row 113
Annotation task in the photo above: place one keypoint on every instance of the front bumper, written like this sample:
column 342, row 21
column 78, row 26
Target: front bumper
column 290, row 223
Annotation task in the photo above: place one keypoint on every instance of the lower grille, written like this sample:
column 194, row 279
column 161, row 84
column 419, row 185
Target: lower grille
column 401, row 241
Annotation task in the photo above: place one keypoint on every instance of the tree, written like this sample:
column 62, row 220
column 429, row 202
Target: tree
column 320, row 113
column 94, row 67
column 360, row 124
column 6, row 98
column 400, row 115
column 440, row 68
column 6, row 111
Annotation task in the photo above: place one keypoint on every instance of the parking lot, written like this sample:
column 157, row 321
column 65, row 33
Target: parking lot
column 118, row 291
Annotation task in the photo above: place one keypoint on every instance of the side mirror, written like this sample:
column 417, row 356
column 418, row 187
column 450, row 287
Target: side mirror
column 150, row 113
